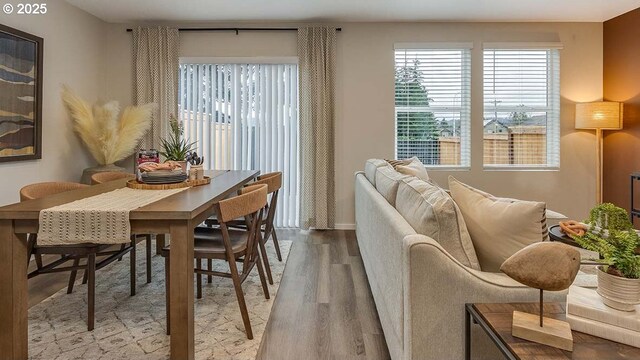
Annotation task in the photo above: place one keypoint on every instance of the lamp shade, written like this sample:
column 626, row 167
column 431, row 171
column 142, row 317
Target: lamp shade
column 604, row 115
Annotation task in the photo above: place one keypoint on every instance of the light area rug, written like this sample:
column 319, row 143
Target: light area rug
column 134, row 327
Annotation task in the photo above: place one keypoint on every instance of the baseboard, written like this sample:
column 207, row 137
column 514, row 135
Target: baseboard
column 345, row 226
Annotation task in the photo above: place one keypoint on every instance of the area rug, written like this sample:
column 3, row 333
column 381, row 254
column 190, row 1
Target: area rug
column 134, row 327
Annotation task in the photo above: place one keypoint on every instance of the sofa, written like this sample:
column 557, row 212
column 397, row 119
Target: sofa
column 419, row 288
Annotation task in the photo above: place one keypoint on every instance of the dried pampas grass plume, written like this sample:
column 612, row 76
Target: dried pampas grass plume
column 108, row 138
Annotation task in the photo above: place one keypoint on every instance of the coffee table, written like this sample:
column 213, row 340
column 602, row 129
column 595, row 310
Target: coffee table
column 496, row 320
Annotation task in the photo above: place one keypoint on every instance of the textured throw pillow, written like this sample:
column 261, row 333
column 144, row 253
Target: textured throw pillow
column 414, row 168
column 387, row 180
column 370, row 168
column 498, row 227
column 432, row 212
column 395, row 163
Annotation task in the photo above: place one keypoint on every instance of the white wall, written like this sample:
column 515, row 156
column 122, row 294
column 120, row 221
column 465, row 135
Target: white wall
column 73, row 55
column 365, row 98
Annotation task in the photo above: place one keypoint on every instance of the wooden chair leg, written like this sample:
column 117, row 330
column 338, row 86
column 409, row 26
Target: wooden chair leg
column 275, row 243
column 265, row 260
column 85, row 277
column 160, row 243
column 199, row 278
column 72, row 277
column 240, row 295
column 39, row 261
column 167, row 293
column 148, row 258
column 132, row 257
column 31, row 243
column 91, row 269
column 209, row 267
column 121, row 249
column 265, row 288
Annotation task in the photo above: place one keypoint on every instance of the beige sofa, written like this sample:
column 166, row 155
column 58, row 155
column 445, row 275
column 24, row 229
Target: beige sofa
column 420, row 289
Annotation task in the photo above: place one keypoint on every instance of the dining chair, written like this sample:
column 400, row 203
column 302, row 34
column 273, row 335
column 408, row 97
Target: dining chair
column 74, row 252
column 232, row 245
column 106, row 176
column 273, row 181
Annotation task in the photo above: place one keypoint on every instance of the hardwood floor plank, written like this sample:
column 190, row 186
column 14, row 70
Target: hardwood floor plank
column 324, row 308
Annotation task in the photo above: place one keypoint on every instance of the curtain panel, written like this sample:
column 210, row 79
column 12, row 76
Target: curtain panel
column 316, row 53
column 155, row 66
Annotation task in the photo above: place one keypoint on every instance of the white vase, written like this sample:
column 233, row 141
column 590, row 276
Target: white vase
column 618, row 292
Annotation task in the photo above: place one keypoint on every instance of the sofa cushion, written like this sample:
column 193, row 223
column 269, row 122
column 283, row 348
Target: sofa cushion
column 432, row 212
column 498, row 227
column 387, row 181
column 370, row 168
column 414, row 168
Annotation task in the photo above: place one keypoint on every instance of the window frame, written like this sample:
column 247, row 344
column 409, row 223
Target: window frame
column 464, row 109
column 552, row 109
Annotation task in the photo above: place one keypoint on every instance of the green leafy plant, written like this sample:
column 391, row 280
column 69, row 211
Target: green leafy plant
column 176, row 147
column 611, row 234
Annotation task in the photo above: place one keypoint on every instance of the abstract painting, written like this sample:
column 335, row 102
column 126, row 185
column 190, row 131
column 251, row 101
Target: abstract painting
column 20, row 95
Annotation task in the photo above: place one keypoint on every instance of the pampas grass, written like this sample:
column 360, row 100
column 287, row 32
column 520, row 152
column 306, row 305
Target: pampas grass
column 108, row 138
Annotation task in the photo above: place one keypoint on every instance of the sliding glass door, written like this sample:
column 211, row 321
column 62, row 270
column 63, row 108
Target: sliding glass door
column 245, row 116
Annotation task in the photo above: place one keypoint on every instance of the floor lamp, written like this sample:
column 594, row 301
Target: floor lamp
column 598, row 116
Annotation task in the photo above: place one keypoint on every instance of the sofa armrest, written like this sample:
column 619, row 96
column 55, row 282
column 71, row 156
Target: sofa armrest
column 436, row 287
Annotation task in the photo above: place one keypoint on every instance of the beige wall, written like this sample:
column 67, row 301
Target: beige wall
column 365, row 105
column 73, row 55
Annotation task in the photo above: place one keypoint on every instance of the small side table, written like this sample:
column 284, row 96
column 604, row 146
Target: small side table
column 496, row 321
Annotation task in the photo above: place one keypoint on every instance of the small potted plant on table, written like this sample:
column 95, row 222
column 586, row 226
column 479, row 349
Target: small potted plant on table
column 611, row 234
column 176, row 148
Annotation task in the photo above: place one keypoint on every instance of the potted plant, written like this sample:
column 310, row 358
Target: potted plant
column 109, row 135
column 611, row 234
column 176, row 148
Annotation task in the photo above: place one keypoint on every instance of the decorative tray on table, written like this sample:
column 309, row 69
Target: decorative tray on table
column 135, row 184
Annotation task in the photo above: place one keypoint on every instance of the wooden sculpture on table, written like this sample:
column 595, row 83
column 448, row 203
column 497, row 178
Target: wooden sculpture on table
column 545, row 266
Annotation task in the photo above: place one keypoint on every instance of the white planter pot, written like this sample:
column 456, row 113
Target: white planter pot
column 618, row 292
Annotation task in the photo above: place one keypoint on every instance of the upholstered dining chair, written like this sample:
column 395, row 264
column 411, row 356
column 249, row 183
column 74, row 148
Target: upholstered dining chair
column 74, row 252
column 232, row 245
column 106, row 176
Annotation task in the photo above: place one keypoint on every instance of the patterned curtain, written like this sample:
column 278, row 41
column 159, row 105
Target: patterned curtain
column 155, row 66
column 316, row 52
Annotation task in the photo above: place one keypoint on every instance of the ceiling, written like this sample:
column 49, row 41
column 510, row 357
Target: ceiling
column 356, row 10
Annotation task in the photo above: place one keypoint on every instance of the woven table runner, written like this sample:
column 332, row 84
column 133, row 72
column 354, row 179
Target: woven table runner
column 100, row 219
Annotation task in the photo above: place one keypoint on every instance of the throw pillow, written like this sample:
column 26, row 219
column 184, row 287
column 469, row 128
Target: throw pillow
column 432, row 212
column 387, row 180
column 498, row 227
column 370, row 168
column 414, row 168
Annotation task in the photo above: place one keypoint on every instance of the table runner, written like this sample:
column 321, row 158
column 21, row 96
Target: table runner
column 100, row 219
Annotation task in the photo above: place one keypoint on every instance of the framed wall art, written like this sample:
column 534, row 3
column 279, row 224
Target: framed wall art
column 20, row 95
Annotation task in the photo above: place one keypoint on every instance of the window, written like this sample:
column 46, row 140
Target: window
column 521, row 106
column 245, row 116
column 432, row 103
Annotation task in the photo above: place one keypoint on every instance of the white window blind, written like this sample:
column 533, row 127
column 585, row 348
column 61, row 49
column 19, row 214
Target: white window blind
column 522, row 107
column 432, row 103
column 245, row 116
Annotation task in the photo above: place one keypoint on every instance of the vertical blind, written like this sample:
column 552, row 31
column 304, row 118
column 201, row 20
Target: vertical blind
column 433, row 103
column 521, row 107
column 245, row 116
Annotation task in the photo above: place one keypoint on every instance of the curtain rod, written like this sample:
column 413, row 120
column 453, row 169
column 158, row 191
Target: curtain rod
column 237, row 30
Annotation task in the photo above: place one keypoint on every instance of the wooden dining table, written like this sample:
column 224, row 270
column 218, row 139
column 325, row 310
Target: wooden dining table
column 176, row 215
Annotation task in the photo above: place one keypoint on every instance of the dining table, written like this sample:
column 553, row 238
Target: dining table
column 176, row 215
